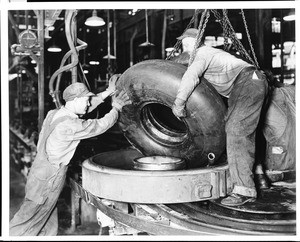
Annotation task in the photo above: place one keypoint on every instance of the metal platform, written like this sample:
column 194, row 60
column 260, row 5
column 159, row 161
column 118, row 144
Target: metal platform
column 201, row 218
column 154, row 202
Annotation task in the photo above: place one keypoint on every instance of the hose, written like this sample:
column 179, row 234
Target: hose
column 70, row 15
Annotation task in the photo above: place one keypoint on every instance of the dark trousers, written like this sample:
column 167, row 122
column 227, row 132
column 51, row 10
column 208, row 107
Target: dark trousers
column 34, row 219
column 244, row 109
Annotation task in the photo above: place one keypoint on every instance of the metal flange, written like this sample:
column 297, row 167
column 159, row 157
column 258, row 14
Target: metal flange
column 111, row 175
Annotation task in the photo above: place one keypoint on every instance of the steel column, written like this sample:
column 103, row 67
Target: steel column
column 41, row 70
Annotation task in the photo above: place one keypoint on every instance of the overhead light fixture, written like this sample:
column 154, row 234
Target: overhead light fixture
column 169, row 49
column 289, row 17
column 108, row 56
column 147, row 43
column 12, row 76
column 94, row 21
column 94, row 63
column 112, row 57
column 54, row 48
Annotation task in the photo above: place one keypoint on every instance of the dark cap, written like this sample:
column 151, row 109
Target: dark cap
column 192, row 32
column 76, row 89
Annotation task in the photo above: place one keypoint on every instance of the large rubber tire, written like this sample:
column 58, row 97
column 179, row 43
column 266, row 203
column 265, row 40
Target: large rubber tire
column 150, row 126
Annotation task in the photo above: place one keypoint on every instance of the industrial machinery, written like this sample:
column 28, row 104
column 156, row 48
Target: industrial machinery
column 171, row 179
column 160, row 198
column 176, row 201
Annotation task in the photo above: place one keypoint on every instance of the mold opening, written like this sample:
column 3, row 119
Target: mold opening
column 162, row 125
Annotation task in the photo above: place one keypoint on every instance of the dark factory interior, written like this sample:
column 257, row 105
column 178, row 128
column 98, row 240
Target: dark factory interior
column 106, row 191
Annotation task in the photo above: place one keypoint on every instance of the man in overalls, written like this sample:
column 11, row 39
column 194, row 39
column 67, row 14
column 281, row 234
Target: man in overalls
column 61, row 133
column 246, row 89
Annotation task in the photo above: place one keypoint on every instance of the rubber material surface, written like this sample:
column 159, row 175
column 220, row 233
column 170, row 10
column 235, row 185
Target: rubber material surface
column 149, row 124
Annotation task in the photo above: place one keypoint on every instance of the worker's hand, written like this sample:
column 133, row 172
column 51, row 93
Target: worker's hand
column 112, row 84
column 120, row 99
column 179, row 109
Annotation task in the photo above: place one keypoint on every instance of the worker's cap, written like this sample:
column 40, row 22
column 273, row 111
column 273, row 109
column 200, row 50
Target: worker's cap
column 192, row 32
column 76, row 89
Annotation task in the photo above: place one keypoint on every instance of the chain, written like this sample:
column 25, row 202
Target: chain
column 249, row 39
column 235, row 40
column 200, row 33
column 230, row 33
column 178, row 43
column 225, row 30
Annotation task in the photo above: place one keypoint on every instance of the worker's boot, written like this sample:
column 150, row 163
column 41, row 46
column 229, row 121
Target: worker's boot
column 260, row 178
column 261, row 181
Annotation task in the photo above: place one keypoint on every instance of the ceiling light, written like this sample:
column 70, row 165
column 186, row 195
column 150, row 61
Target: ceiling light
column 94, row 21
column 12, row 76
column 146, row 44
column 169, row 49
column 94, row 63
column 289, row 17
column 110, row 57
column 54, row 48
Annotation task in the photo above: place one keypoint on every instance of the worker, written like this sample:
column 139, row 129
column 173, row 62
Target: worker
column 245, row 89
column 61, row 133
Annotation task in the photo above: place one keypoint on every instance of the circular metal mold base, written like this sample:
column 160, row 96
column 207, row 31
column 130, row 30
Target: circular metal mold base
column 158, row 163
column 111, row 175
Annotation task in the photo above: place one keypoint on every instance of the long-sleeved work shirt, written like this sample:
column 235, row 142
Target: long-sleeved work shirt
column 216, row 66
column 62, row 142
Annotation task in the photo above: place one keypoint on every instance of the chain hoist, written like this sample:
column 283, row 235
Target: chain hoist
column 178, row 43
column 228, row 32
column 249, row 39
column 200, row 33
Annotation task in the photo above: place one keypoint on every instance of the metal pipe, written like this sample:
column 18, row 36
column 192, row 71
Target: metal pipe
column 108, row 46
column 196, row 19
column 74, row 56
column 26, row 18
column 41, row 78
column 164, row 32
column 147, row 29
column 115, row 35
column 131, row 46
column 281, row 48
column 20, row 94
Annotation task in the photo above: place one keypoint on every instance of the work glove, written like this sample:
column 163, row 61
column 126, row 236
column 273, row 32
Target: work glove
column 120, row 99
column 178, row 108
column 112, row 84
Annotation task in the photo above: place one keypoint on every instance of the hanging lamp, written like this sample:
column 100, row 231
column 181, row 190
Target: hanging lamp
column 290, row 16
column 54, row 48
column 94, row 21
column 147, row 43
column 108, row 56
